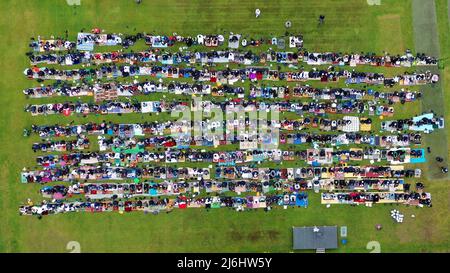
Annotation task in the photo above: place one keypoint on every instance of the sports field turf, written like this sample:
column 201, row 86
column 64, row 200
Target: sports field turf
column 350, row 25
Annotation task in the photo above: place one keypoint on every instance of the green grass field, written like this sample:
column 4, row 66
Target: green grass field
column 351, row 25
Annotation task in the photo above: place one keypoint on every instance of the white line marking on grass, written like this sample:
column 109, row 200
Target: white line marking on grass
column 74, row 246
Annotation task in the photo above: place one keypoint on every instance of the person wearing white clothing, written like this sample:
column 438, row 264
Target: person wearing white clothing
column 257, row 13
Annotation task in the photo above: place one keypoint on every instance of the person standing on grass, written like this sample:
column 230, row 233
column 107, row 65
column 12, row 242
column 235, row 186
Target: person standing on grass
column 321, row 19
column 257, row 13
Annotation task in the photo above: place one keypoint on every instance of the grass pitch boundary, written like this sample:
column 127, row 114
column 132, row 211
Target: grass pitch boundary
column 426, row 40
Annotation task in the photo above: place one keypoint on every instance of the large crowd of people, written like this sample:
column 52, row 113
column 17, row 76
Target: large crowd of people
column 90, row 172
column 329, row 137
column 160, row 204
column 125, row 107
column 229, row 158
column 184, row 141
column 256, row 91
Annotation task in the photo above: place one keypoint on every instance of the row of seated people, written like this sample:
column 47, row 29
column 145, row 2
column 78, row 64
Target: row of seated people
column 227, row 157
column 185, row 141
column 243, row 172
column 157, row 41
column 428, row 120
column 355, row 198
column 230, row 56
column 168, row 188
column 305, row 91
column 100, row 172
column 165, row 204
column 229, row 75
column 169, row 127
column 132, row 89
column 115, row 107
column 112, row 173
